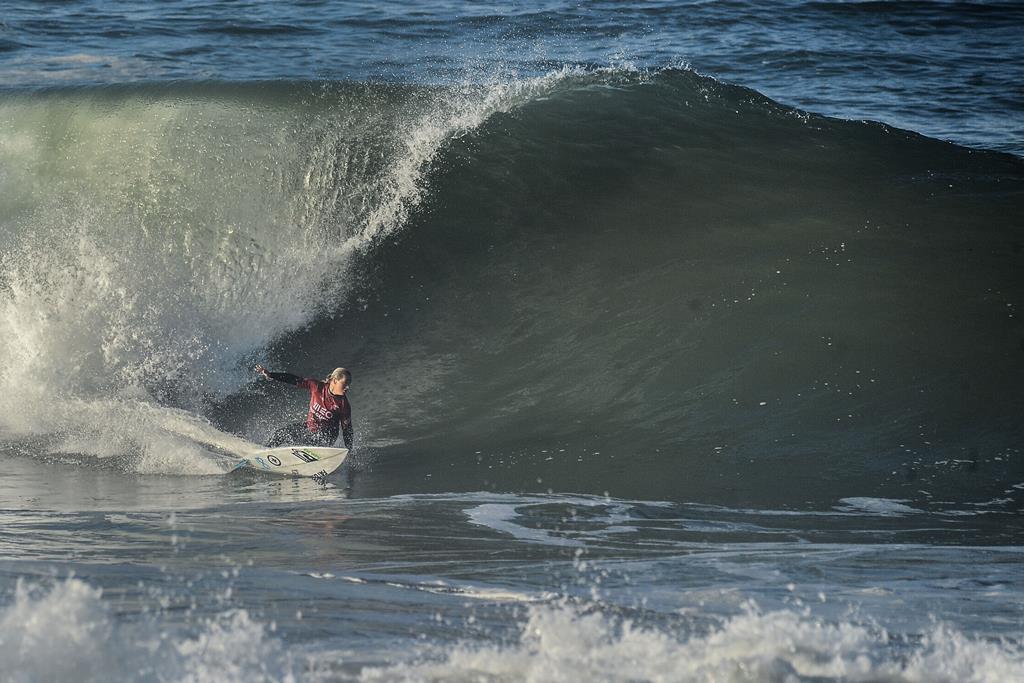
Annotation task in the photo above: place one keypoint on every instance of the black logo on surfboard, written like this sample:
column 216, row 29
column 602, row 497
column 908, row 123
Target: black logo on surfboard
column 303, row 455
column 274, row 460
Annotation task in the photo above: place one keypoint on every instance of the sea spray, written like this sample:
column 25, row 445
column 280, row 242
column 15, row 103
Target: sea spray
column 565, row 643
column 156, row 239
column 68, row 632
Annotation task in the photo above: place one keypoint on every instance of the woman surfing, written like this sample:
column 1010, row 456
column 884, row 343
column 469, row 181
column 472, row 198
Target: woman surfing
column 329, row 410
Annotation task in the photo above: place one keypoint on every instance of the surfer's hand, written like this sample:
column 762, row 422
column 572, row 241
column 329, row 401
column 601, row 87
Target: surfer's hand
column 260, row 370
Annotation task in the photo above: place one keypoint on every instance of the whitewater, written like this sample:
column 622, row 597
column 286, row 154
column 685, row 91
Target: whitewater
column 686, row 339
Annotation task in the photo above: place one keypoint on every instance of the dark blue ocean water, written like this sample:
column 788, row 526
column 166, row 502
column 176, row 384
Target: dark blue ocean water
column 948, row 69
column 686, row 338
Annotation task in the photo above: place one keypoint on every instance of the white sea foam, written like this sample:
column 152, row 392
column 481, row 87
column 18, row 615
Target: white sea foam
column 878, row 506
column 68, row 634
column 502, row 517
column 482, row 593
column 565, row 644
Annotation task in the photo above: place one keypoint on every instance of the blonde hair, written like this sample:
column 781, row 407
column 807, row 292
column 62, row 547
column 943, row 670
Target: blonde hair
column 338, row 373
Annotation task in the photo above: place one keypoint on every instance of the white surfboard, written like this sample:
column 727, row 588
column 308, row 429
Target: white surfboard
column 295, row 461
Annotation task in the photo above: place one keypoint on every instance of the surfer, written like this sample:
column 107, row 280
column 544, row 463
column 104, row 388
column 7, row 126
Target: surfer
column 329, row 410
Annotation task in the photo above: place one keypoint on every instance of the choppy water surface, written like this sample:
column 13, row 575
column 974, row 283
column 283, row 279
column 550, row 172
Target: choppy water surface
column 271, row 579
column 668, row 365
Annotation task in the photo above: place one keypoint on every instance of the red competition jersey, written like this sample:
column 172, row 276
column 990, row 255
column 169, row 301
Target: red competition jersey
column 327, row 413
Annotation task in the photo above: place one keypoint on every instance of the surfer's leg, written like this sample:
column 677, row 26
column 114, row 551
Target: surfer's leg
column 288, row 436
column 318, row 439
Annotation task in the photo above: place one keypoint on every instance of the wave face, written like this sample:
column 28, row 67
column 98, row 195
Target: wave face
column 655, row 285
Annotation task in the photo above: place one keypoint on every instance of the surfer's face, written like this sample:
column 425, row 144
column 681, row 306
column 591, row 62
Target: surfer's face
column 338, row 387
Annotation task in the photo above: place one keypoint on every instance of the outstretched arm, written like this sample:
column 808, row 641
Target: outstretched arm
column 280, row 376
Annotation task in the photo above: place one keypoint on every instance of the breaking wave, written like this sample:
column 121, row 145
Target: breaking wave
column 653, row 284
